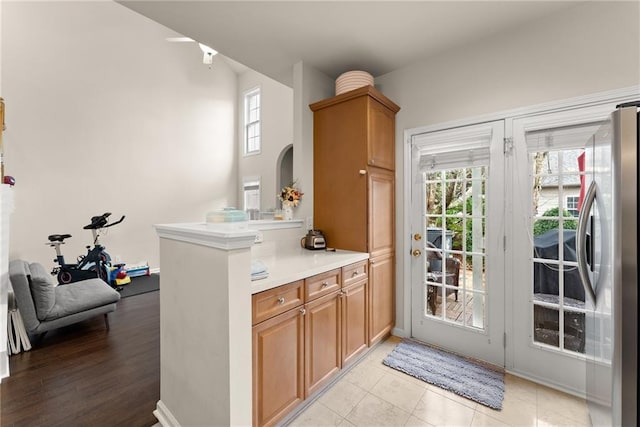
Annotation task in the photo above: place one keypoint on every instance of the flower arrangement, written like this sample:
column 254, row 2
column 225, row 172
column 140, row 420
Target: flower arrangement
column 290, row 195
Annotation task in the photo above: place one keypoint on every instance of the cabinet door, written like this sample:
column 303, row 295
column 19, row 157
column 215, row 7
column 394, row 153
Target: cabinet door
column 381, row 136
column 278, row 367
column 354, row 321
column 322, row 341
column 339, row 189
column 381, row 297
column 381, row 211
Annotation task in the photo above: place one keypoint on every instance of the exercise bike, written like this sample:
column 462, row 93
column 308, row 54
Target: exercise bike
column 96, row 263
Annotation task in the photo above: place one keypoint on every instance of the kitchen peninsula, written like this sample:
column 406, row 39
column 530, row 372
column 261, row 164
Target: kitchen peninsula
column 206, row 313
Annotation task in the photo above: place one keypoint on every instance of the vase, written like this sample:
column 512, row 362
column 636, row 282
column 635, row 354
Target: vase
column 287, row 212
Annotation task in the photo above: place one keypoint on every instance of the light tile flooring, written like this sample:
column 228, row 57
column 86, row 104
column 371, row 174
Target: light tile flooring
column 372, row 394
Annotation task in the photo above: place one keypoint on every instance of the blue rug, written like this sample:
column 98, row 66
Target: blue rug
column 468, row 378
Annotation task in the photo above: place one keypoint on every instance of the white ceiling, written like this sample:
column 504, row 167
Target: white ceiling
column 338, row 36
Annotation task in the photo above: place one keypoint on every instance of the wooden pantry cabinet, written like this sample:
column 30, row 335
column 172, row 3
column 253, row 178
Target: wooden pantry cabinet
column 354, row 189
column 304, row 333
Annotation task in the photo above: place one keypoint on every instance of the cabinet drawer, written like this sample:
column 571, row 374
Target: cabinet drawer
column 353, row 273
column 321, row 284
column 270, row 303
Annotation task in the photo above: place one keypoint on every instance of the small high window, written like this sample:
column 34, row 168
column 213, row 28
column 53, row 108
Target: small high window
column 252, row 122
column 251, row 196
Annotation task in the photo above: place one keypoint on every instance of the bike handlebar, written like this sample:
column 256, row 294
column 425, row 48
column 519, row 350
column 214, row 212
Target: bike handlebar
column 100, row 221
column 114, row 223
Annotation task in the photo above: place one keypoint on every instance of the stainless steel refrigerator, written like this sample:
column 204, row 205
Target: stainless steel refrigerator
column 607, row 258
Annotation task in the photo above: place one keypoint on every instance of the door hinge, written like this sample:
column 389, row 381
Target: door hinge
column 508, row 145
column 504, row 339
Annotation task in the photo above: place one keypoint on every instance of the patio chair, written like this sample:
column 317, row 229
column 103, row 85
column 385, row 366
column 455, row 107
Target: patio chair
column 452, row 272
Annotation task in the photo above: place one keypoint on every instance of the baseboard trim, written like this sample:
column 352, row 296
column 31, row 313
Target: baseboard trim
column 545, row 383
column 399, row 333
column 164, row 416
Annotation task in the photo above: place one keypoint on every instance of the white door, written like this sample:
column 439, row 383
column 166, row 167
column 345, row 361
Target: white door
column 457, row 240
column 548, row 168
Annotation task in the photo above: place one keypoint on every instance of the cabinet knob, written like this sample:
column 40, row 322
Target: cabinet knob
column 303, row 311
column 355, row 273
column 324, row 285
column 281, row 300
column 362, row 172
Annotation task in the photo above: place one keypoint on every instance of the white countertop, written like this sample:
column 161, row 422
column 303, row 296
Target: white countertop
column 289, row 266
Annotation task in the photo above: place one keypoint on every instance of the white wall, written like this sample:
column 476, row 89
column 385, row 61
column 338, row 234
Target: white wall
column 591, row 47
column 309, row 86
column 4, row 254
column 105, row 115
column 1, row 34
column 276, row 131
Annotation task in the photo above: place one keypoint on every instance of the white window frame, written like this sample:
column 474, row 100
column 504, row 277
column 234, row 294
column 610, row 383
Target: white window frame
column 248, row 123
column 566, row 203
column 251, row 183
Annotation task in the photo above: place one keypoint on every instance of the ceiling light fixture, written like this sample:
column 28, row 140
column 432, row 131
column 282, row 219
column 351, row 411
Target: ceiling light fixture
column 209, row 53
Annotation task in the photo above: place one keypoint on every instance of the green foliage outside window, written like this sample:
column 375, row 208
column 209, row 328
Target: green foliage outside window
column 541, row 226
column 455, row 223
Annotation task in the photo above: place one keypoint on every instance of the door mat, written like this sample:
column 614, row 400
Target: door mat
column 474, row 380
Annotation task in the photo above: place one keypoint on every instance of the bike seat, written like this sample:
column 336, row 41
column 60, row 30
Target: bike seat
column 58, row 237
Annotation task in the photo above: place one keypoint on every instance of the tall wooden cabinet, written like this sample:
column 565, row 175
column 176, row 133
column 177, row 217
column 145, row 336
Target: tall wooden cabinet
column 354, row 189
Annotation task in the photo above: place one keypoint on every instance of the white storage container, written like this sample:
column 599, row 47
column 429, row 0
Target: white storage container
column 353, row 80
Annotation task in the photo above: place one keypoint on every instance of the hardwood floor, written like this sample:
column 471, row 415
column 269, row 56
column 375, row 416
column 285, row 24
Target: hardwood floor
column 84, row 375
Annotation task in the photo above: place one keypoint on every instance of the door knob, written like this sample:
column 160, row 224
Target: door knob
column 417, row 236
column 416, row 252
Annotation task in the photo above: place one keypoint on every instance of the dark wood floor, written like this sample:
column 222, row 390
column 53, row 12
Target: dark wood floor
column 84, row 375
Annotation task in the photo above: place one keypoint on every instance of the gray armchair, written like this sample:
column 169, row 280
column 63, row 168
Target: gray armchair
column 44, row 306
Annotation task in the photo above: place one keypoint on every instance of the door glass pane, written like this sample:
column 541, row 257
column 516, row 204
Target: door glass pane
column 455, row 245
column 558, row 295
column 574, row 337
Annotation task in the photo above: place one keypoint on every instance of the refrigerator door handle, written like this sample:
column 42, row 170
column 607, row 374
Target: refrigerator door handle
column 581, row 242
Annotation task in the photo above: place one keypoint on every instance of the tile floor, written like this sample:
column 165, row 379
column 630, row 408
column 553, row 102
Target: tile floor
column 372, row 394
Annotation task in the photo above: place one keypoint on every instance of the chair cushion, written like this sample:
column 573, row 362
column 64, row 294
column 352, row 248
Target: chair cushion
column 81, row 296
column 42, row 290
